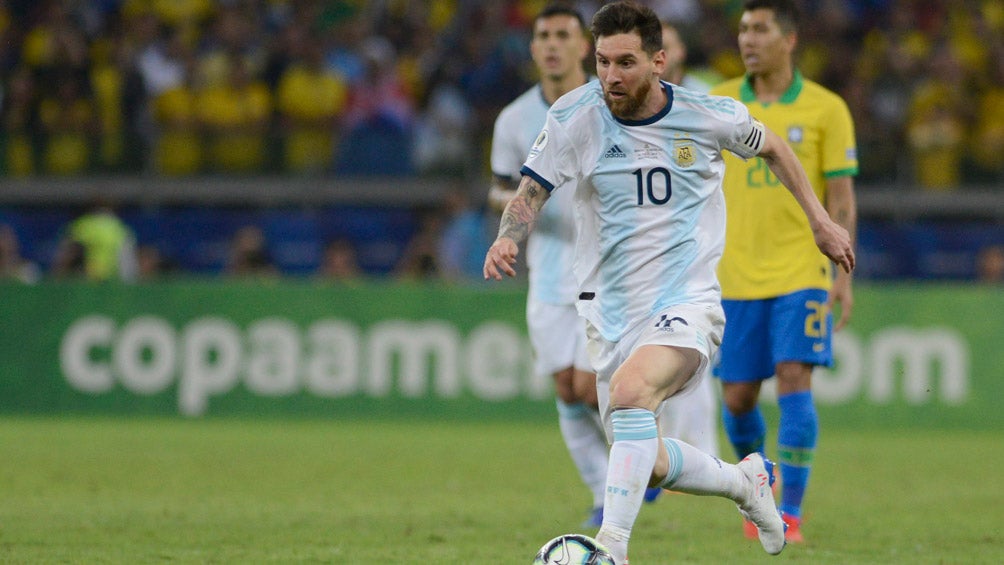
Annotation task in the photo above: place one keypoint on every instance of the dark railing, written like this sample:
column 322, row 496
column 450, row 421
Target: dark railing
column 885, row 202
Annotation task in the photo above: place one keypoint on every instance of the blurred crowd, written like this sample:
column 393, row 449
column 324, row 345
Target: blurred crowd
column 444, row 245
column 101, row 244
column 186, row 87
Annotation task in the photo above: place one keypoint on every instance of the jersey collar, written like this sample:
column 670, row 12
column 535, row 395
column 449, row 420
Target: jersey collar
column 747, row 95
column 658, row 115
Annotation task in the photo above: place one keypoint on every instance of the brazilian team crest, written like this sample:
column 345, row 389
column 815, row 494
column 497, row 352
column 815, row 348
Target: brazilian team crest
column 684, row 153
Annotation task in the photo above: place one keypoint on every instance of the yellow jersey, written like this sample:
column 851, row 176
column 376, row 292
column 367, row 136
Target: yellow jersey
column 769, row 248
column 235, row 116
column 311, row 100
column 178, row 150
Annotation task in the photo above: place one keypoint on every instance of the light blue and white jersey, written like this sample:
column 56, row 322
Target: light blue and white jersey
column 650, row 214
column 551, row 245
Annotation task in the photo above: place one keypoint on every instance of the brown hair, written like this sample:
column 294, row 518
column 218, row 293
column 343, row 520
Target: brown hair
column 629, row 17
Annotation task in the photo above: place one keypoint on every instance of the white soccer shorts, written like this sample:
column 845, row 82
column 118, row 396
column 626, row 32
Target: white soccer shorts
column 698, row 327
column 558, row 337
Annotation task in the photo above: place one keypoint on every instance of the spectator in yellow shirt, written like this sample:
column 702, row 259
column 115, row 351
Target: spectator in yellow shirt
column 177, row 149
column 19, row 123
column 986, row 144
column 310, row 101
column 937, row 123
column 235, row 116
column 68, row 119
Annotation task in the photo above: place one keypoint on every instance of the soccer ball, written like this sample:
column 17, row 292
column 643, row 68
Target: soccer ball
column 573, row 549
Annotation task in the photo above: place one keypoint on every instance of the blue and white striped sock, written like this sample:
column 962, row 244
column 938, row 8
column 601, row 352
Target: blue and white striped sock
column 696, row 472
column 632, row 457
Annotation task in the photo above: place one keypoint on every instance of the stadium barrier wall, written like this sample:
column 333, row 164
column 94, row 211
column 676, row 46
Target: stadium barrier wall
column 915, row 355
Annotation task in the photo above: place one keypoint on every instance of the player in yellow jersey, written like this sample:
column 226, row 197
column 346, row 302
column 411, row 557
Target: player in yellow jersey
column 778, row 289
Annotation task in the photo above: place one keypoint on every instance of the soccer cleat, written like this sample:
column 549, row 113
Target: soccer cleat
column 793, row 533
column 749, row 528
column 652, row 494
column 595, row 519
column 759, row 507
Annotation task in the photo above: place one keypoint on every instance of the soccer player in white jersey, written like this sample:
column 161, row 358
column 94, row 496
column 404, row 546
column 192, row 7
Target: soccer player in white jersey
column 557, row 333
column 692, row 417
column 645, row 162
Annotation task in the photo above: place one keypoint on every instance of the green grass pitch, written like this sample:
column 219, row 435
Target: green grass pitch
column 84, row 490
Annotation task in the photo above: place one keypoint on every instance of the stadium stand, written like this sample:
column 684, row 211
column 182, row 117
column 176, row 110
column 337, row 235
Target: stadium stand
column 203, row 92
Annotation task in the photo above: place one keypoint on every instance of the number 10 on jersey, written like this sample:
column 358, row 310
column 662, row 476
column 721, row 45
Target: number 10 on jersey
column 656, row 186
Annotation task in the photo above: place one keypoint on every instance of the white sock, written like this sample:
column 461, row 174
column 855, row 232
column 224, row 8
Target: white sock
column 695, row 472
column 632, row 457
column 586, row 444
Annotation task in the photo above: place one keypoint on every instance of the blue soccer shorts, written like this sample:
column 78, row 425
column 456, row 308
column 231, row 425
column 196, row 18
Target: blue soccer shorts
column 759, row 334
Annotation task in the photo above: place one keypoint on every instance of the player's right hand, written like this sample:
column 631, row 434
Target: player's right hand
column 500, row 259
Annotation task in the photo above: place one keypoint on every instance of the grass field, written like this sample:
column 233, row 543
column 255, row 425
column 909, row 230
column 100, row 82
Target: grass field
column 83, row 490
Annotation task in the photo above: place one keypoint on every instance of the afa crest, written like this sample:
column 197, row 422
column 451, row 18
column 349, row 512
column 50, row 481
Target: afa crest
column 684, row 153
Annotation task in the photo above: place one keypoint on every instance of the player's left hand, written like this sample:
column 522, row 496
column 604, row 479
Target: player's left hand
column 500, row 259
column 841, row 294
column 834, row 241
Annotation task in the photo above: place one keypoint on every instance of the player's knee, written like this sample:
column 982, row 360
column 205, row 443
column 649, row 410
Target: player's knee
column 630, row 392
column 564, row 386
column 793, row 377
column 584, row 385
column 740, row 398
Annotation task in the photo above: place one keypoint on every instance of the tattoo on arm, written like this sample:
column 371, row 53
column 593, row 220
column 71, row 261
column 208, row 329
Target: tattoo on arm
column 519, row 216
column 501, row 192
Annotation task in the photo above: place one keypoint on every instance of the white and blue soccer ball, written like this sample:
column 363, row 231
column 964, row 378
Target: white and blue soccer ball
column 573, row 549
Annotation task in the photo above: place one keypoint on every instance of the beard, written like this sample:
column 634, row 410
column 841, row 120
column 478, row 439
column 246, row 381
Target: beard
column 627, row 107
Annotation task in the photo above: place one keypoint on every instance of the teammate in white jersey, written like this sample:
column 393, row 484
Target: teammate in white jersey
column 676, row 61
column 557, row 333
column 645, row 160
column 692, row 417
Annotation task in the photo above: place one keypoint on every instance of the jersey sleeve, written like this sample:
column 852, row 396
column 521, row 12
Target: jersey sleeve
column 745, row 134
column 552, row 159
column 840, row 155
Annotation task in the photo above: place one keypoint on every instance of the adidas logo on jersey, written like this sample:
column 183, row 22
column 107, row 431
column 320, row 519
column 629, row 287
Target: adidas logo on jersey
column 614, row 151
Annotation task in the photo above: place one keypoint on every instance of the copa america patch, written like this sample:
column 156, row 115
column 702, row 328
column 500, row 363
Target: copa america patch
column 539, row 143
column 756, row 136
